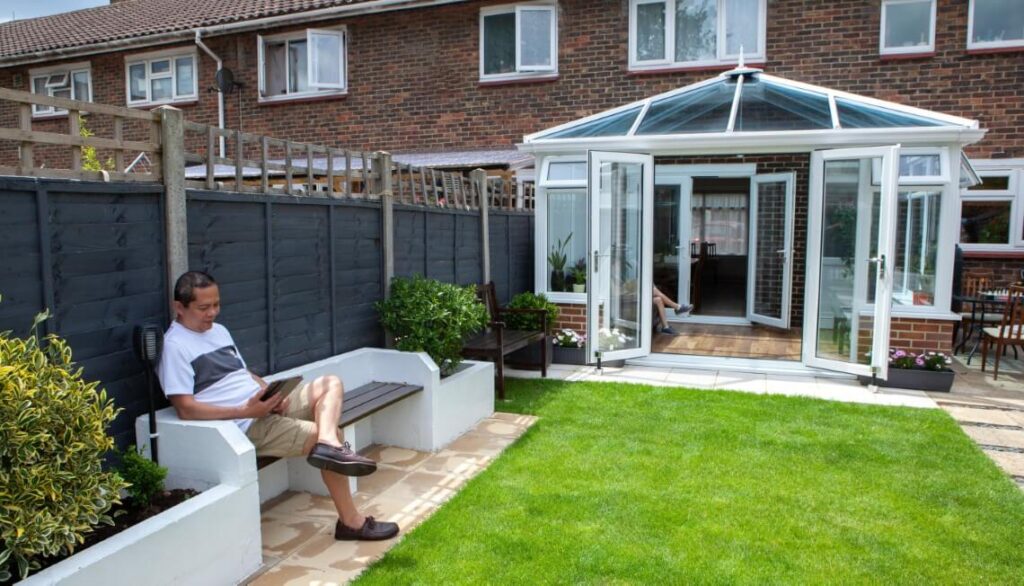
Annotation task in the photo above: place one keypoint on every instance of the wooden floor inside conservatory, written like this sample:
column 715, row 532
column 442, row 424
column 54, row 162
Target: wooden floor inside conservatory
column 732, row 341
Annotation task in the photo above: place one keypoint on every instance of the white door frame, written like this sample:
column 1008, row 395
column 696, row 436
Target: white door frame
column 595, row 275
column 886, row 247
column 786, row 252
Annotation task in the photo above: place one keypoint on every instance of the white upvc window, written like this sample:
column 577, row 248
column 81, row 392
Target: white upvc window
column 73, row 81
column 908, row 27
column 995, row 24
column 161, row 78
column 695, row 33
column 991, row 212
column 303, row 64
column 518, row 41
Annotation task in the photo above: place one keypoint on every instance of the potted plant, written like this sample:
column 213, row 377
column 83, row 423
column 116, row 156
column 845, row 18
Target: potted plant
column 529, row 357
column 927, row 371
column 579, row 276
column 557, row 259
column 429, row 316
column 568, row 346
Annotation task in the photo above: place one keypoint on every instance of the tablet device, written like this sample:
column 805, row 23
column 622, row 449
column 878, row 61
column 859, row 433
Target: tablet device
column 285, row 385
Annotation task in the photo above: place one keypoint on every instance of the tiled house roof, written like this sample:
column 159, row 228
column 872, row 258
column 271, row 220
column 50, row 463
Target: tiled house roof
column 131, row 19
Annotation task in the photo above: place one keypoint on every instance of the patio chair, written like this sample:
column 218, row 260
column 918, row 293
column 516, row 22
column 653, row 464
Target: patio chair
column 973, row 313
column 1010, row 332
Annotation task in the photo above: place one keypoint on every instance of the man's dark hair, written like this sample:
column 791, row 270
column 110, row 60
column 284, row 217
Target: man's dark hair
column 184, row 288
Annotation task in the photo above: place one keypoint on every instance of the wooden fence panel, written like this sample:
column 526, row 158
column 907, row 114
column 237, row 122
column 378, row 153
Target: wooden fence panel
column 97, row 251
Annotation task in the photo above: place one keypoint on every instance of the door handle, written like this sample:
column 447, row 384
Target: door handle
column 880, row 262
column 597, row 264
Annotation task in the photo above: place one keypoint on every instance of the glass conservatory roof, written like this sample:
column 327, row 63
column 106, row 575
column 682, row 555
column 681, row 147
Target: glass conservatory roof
column 746, row 100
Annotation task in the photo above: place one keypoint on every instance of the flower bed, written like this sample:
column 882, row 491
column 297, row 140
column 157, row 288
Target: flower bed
column 927, row 371
column 569, row 347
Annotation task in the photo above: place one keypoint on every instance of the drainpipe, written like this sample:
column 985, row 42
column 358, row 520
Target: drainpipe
column 220, row 94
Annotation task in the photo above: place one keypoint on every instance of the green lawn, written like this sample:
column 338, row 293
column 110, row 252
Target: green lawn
column 621, row 483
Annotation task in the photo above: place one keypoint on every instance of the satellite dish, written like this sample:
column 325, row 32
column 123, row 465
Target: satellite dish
column 226, row 81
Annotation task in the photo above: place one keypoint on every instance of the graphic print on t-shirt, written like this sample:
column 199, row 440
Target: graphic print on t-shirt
column 213, row 366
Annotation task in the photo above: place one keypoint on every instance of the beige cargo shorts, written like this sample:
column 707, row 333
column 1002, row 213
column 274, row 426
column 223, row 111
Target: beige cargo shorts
column 285, row 435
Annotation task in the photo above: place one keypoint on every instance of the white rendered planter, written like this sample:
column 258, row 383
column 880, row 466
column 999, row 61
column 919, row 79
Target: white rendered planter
column 212, row 538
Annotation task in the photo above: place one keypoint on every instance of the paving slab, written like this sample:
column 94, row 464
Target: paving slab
column 408, row 486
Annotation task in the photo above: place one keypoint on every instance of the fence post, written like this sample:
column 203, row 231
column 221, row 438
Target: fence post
column 479, row 180
column 381, row 162
column 172, row 149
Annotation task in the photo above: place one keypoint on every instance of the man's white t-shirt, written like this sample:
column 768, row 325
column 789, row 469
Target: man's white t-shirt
column 207, row 365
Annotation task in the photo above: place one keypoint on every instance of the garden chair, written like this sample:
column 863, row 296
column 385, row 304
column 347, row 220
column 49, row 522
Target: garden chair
column 1010, row 332
column 972, row 312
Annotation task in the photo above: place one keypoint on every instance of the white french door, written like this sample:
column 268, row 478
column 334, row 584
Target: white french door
column 850, row 257
column 620, row 200
column 770, row 249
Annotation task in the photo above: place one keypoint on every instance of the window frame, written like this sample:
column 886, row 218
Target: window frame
column 973, row 45
column 721, row 56
column 521, row 72
column 1013, row 194
column 914, row 50
column 147, row 60
column 316, row 90
column 541, row 276
column 69, row 71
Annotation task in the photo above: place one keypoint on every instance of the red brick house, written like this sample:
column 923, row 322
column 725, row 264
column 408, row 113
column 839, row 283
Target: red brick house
column 442, row 76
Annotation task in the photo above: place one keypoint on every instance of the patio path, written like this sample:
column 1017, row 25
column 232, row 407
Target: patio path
column 298, row 528
column 990, row 411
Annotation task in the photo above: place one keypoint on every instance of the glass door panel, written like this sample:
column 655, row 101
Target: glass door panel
column 619, row 301
column 850, row 254
column 770, row 264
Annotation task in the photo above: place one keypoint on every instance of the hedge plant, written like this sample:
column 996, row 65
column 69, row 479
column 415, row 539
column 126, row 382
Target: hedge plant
column 53, row 489
column 528, row 300
column 429, row 316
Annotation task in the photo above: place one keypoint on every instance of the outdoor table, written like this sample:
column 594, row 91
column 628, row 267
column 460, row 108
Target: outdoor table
column 981, row 304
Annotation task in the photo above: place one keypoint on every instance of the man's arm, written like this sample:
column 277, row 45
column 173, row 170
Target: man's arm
column 188, row 408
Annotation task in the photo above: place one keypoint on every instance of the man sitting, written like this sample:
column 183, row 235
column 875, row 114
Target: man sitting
column 205, row 377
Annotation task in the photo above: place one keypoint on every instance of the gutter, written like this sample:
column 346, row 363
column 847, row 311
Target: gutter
column 220, row 93
column 376, row 6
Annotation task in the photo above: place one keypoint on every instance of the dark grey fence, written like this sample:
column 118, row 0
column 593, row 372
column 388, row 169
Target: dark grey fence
column 93, row 254
column 299, row 276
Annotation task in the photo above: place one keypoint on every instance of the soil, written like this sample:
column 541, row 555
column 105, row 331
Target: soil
column 125, row 515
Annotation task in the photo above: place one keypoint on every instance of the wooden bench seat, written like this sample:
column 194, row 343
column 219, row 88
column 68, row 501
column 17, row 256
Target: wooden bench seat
column 496, row 342
column 362, row 402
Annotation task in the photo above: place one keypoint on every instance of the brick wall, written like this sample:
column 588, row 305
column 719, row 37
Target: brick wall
column 571, row 316
column 921, row 335
column 1001, row 271
column 413, row 76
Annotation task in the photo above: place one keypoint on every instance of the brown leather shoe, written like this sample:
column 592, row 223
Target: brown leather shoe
column 341, row 460
column 372, row 530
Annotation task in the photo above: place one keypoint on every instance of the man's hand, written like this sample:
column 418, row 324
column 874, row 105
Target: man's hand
column 255, row 408
column 280, row 409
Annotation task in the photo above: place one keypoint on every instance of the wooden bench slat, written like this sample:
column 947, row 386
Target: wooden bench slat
column 362, row 402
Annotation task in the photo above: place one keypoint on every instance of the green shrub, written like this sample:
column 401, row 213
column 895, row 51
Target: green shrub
column 425, row 315
column 527, row 300
column 145, row 477
column 53, row 489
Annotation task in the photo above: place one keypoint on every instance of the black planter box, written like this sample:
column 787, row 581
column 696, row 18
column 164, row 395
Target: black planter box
column 528, row 358
column 922, row 380
column 570, row 355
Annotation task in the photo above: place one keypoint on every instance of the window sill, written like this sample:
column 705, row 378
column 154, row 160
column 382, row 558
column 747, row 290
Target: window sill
column 60, row 116
column 518, row 80
column 994, row 254
column 178, row 103
column 996, row 50
column 688, row 68
column 905, row 56
column 303, row 98
column 565, row 297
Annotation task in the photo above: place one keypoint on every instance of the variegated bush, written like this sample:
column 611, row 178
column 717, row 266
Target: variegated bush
column 53, row 489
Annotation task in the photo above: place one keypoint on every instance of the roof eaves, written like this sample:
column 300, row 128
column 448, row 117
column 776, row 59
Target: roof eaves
column 215, row 28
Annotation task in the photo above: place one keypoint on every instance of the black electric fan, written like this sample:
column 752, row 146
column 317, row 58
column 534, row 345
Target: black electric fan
column 148, row 342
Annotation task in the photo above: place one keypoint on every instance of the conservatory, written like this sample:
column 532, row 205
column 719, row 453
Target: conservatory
column 802, row 223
